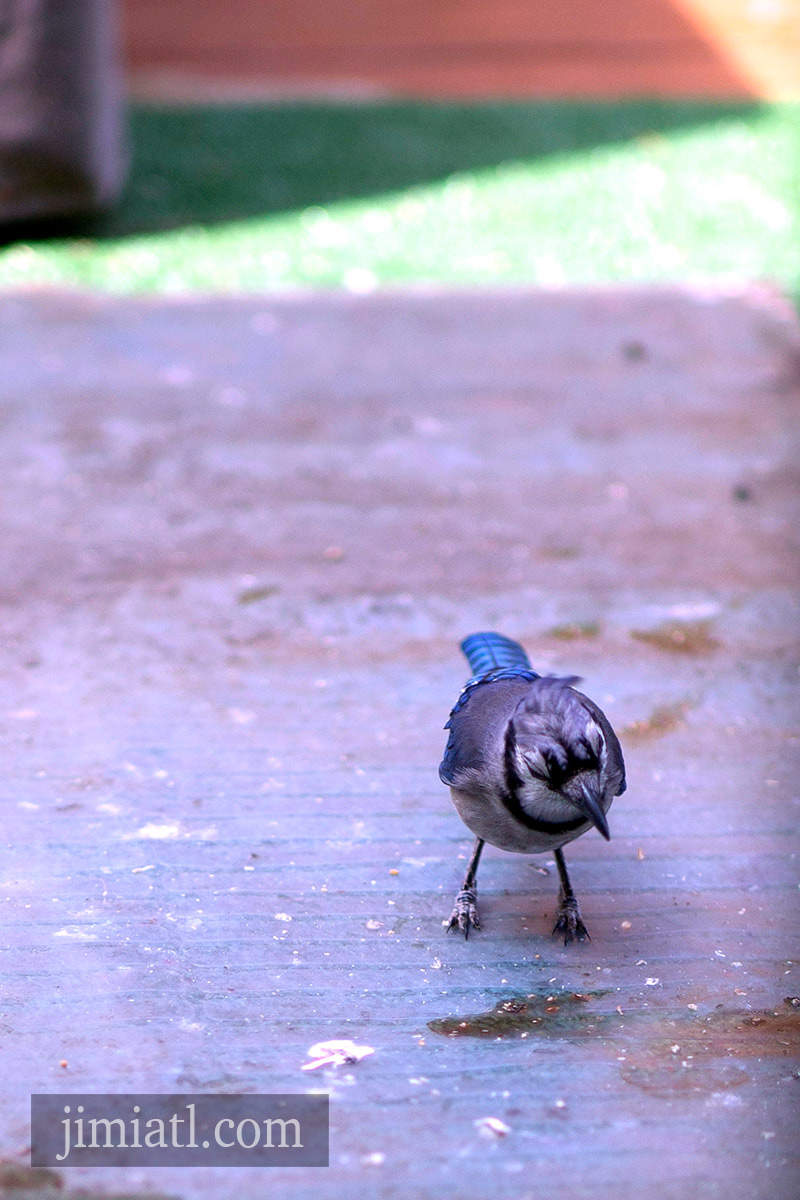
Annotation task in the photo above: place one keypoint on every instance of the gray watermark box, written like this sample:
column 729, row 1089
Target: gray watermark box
column 106, row 1130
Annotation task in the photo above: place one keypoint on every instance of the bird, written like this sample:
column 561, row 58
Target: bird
column 531, row 764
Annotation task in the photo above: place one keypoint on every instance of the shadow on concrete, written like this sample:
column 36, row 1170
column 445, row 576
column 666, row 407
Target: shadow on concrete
column 212, row 164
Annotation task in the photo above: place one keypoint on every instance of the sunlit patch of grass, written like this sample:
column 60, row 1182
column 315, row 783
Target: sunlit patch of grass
column 716, row 197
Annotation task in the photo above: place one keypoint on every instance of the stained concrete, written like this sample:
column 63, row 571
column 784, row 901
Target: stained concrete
column 242, row 538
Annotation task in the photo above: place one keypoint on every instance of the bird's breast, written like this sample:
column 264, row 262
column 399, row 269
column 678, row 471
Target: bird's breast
column 488, row 818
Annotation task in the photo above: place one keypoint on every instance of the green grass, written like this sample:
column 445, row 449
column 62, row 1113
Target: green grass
column 546, row 193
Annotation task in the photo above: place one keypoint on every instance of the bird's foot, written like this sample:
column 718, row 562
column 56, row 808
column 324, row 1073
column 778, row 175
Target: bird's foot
column 568, row 921
column 465, row 912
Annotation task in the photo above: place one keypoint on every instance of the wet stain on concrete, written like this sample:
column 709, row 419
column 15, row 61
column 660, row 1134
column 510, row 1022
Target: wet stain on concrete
column 565, row 1014
column 252, row 595
column 560, row 553
column 21, row 1182
column 683, row 1078
column 663, row 719
column 700, row 1059
column 561, row 1014
column 573, row 631
column 679, row 637
column 671, row 1056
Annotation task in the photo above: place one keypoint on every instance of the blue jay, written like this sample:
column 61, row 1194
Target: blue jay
column 531, row 764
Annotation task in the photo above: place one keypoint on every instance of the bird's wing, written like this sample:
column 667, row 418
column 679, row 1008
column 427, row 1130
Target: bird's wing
column 477, row 728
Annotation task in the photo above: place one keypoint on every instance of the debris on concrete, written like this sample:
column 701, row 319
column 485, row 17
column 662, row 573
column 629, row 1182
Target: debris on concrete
column 335, row 1053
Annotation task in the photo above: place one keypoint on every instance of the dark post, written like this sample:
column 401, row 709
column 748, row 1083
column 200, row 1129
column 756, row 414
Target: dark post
column 61, row 133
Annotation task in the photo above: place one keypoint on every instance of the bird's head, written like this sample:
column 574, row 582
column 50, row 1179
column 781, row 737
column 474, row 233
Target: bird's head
column 558, row 752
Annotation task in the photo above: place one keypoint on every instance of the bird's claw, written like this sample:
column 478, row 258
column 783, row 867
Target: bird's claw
column 568, row 922
column 465, row 912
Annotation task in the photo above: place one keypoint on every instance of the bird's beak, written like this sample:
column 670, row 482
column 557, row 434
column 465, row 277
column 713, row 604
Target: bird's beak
column 590, row 805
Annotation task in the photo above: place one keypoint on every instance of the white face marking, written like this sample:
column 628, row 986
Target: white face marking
column 531, row 761
column 594, row 736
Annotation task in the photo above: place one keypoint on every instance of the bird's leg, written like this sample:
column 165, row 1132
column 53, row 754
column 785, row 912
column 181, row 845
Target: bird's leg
column 568, row 918
column 465, row 909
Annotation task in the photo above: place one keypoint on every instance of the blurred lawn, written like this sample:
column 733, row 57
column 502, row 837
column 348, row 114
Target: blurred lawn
column 256, row 197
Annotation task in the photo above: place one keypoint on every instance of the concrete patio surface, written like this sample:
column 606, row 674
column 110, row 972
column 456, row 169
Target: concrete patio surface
column 241, row 541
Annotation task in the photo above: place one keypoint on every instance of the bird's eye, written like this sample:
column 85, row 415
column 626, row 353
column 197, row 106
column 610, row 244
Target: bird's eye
column 536, row 763
column 586, row 752
column 556, row 769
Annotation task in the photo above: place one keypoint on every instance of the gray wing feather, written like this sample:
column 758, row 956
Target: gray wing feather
column 477, row 730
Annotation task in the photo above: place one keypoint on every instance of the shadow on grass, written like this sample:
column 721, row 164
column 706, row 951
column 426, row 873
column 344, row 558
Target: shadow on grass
column 206, row 165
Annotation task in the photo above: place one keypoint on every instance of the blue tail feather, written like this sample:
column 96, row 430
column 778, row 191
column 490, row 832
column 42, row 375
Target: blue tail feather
column 492, row 651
